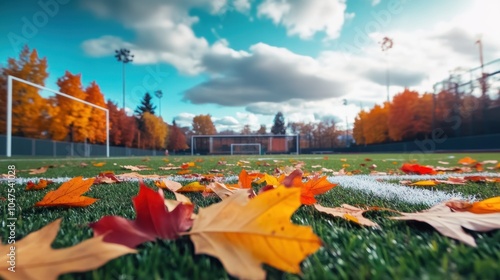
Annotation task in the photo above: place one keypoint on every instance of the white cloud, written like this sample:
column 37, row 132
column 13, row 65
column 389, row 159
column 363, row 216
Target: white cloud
column 242, row 5
column 163, row 31
column 375, row 2
column 266, row 74
column 305, row 18
column 184, row 119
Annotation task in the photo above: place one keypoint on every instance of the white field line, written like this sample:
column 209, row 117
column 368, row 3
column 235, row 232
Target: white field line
column 367, row 184
column 389, row 191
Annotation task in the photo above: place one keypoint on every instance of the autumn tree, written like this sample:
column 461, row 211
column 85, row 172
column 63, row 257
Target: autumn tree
column 30, row 112
column 262, row 130
column 203, row 125
column 358, row 130
column 375, row 125
column 97, row 120
column 278, row 124
column 402, row 115
column 72, row 118
column 246, row 130
column 176, row 138
column 155, row 131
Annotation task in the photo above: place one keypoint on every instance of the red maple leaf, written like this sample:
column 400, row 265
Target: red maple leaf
column 153, row 221
column 417, row 169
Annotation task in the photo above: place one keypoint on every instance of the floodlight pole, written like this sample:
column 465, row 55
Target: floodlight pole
column 124, row 56
column 8, row 153
column 385, row 45
column 159, row 94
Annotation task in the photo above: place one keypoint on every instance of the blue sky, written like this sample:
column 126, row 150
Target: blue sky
column 244, row 60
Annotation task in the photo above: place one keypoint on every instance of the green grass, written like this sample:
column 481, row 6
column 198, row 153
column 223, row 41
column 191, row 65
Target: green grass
column 408, row 250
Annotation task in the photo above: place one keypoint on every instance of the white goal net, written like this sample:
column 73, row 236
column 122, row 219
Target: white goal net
column 246, row 149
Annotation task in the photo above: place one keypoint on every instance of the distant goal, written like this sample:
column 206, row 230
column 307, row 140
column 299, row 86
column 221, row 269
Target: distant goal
column 244, row 144
column 246, row 149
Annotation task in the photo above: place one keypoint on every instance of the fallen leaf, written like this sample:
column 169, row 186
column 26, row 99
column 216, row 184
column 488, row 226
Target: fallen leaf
column 425, row 183
column 451, row 224
column 294, row 179
column 135, row 167
column 443, row 162
column 135, row 175
column 220, row 190
column 106, row 178
column 187, row 165
column 69, row 194
column 40, row 170
column 153, row 221
column 466, row 161
column 349, row 213
column 192, row 187
column 166, row 168
column 183, row 172
column 40, row 261
column 244, row 233
column 417, row 169
column 475, row 179
column 99, row 164
column 490, row 205
column 42, row 184
column 313, row 187
column 83, row 164
column 453, row 181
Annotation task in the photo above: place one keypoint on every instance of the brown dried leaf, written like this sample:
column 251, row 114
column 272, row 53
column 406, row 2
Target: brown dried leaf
column 451, row 224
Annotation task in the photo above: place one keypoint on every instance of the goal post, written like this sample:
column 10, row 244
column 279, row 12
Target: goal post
column 250, row 148
column 10, row 80
column 230, row 144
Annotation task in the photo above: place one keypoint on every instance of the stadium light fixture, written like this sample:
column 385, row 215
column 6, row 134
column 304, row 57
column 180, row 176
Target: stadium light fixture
column 124, row 56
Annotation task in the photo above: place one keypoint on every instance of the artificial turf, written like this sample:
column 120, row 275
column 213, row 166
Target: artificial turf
column 399, row 250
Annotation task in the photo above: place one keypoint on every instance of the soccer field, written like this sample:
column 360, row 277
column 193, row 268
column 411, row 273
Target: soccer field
column 394, row 249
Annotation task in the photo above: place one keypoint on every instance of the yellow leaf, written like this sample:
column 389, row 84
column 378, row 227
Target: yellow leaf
column 425, row 183
column 244, row 233
column 270, row 180
column 37, row 260
column 192, row 187
column 490, row 205
column 99, row 164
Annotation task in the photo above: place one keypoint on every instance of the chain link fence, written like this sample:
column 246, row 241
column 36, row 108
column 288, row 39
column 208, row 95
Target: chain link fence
column 22, row 146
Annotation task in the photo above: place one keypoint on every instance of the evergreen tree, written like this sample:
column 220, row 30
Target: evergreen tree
column 146, row 106
column 278, row 124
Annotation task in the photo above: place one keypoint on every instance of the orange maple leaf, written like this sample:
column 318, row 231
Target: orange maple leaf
column 69, row 194
column 245, row 179
column 466, row 161
column 42, row 184
column 314, row 187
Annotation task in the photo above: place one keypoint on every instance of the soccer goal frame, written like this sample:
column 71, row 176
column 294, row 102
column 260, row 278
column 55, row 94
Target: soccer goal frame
column 246, row 144
column 10, row 80
column 221, row 144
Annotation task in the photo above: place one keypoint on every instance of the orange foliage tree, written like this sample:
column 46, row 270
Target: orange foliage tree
column 155, row 131
column 375, row 125
column 402, row 115
column 97, row 120
column 124, row 129
column 30, row 112
column 72, row 118
column 176, row 138
column 203, row 125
